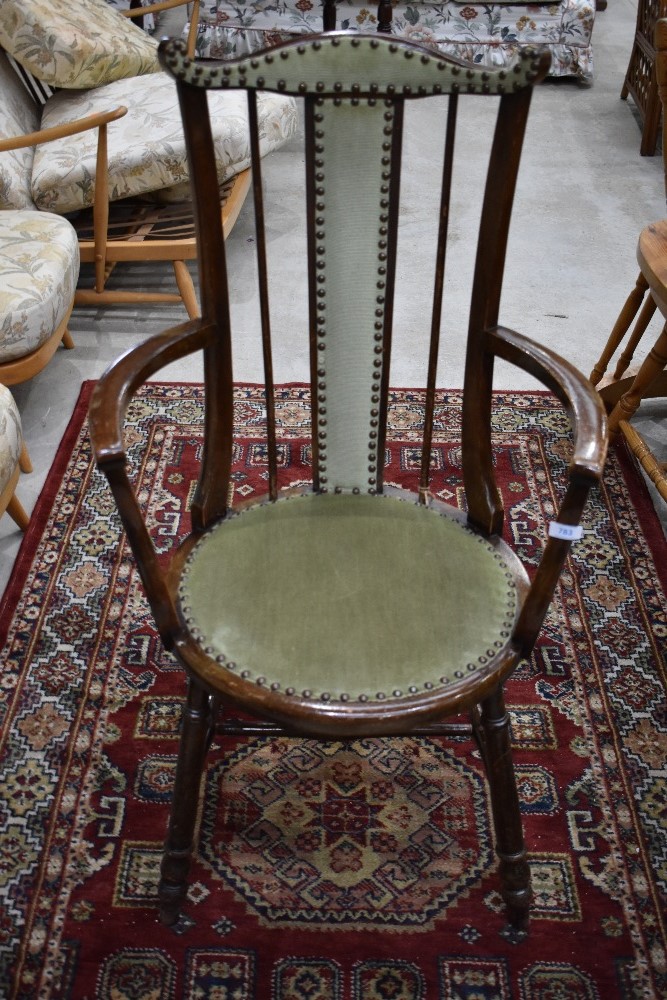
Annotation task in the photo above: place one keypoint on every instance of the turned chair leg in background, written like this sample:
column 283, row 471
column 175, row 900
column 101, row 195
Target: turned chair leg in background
column 622, row 325
column 646, row 315
column 510, row 847
column 186, row 288
column 17, row 513
column 651, row 367
column 195, row 739
column 25, row 464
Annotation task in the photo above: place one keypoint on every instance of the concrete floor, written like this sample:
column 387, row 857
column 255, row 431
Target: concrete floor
column 584, row 194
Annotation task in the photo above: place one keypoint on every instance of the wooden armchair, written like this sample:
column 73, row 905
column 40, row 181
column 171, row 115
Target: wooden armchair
column 410, row 611
column 116, row 162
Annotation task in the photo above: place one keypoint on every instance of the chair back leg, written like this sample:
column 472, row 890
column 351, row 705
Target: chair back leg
column 494, row 739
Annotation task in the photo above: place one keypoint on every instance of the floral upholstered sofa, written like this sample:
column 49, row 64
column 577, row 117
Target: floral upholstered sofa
column 486, row 33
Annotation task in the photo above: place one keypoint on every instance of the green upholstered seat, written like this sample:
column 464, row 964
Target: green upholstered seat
column 348, row 597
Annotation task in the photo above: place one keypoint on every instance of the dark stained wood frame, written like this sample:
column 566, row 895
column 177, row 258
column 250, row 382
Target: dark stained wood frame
column 479, row 693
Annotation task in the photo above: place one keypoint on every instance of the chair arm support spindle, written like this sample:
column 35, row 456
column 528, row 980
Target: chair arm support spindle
column 549, row 568
column 101, row 208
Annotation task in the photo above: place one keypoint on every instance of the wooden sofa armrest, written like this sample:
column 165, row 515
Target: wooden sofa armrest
column 160, row 5
column 585, row 469
column 102, row 118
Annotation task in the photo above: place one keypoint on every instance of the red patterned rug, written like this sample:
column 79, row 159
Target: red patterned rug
column 360, row 871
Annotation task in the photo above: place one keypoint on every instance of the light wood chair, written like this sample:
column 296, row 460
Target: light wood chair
column 410, row 611
column 624, row 390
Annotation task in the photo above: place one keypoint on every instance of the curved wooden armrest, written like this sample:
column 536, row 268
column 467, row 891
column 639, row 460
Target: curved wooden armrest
column 157, row 7
column 107, row 408
column 574, row 391
column 61, row 131
column 121, row 380
column 586, row 466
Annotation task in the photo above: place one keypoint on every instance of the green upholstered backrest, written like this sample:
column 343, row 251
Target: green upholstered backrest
column 354, row 89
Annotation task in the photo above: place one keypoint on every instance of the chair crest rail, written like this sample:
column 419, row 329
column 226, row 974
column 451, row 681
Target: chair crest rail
column 391, row 67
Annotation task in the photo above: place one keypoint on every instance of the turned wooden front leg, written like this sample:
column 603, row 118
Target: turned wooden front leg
column 514, row 869
column 195, row 738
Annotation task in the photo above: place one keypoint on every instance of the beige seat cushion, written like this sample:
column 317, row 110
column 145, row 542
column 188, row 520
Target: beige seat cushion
column 147, row 146
column 75, row 43
column 348, row 597
column 18, row 115
column 11, row 437
column 39, row 269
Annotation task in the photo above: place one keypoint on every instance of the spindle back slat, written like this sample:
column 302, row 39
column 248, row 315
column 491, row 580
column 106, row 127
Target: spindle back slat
column 262, row 277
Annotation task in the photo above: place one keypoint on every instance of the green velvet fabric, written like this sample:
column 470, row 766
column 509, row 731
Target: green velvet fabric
column 352, row 251
column 347, row 596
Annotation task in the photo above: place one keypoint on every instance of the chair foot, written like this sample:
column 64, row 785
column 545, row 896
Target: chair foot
column 172, row 889
column 514, row 935
column 516, row 890
column 18, row 514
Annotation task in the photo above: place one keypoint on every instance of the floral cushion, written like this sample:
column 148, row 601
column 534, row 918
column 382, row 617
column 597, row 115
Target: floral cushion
column 18, row 115
column 75, row 43
column 39, row 269
column 11, row 437
column 487, row 33
column 146, row 148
